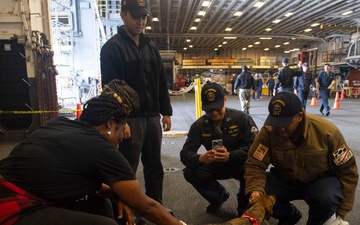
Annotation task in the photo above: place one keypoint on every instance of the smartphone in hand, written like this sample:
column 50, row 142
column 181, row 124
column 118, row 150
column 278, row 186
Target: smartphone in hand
column 217, row 143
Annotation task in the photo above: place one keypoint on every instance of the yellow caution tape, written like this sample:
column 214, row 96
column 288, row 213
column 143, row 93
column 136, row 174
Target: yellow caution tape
column 39, row 112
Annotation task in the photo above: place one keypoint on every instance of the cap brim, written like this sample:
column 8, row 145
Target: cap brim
column 213, row 105
column 278, row 121
column 139, row 13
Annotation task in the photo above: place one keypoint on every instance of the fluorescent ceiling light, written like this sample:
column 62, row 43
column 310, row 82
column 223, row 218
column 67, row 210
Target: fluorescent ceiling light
column 268, row 29
column 288, row 14
column 243, row 48
column 206, row 3
column 238, row 13
column 256, row 43
column 258, row 4
column 286, row 43
column 265, row 38
column 315, row 24
column 266, row 49
column 286, row 51
column 220, row 46
column 188, row 40
column 296, row 49
column 347, row 13
column 276, row 21
column 155, row 19
column 197, row 20
column 215, row 49
column 185, row 48
column 225, row 42
column 229, row 38
column 228, row 29
column 148, row 27
column 250, row 46
column 308, row 30
column 293, row 38
column 201, row 13
column 190, row 46
column 193, row 28
column 277, row 46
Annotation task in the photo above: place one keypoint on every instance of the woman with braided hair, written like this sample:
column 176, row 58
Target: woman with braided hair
column 56, row 175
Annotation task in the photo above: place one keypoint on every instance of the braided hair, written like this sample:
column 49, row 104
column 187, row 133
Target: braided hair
column 99, row 110
column 125, row 93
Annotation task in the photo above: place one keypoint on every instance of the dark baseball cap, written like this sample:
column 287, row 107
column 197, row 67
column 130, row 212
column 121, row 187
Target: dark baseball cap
column 137, row 8
column 285, row 60
column 212, row 96
column 282, row 109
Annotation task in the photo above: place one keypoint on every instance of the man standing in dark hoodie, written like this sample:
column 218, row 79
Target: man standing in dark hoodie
column 133, row 57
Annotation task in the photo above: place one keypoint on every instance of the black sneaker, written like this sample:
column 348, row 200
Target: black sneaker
column 214, row 207
column 292, row 219
column 328, row 113
column 321, row 112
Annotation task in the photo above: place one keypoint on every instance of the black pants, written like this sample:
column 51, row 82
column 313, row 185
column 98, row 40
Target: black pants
column 145, row 141
column 97, row 211
column 205, row 180
column 323, row 195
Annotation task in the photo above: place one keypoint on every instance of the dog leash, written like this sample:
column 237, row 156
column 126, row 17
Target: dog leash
column 251, row 219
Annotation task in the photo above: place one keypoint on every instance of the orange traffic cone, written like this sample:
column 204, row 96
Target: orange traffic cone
column 342, row 97
column 336, row 103
column 313, row 101
column 78, row 110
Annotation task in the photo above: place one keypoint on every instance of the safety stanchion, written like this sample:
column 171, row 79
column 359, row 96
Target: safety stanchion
column 78, row 110
column 198, row 110
column 337, row 102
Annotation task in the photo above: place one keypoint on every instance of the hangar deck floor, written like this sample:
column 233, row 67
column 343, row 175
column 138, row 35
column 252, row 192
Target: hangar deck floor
column 185, row 202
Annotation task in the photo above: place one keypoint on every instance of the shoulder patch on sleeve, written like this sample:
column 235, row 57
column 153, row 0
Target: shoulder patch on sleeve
column 342, row 155
column 254, row 130
column 260, row 152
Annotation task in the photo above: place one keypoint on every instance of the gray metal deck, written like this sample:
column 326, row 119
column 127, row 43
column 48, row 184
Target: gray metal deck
column 181, row 197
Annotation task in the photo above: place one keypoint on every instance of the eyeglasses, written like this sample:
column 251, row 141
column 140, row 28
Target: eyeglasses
column 212, row 110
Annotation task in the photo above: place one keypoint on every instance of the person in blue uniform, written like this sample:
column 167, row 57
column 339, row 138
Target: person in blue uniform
column 325, row 81
column 233, row 131
column 302, row 84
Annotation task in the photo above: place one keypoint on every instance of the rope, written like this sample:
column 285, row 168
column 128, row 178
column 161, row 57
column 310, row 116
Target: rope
column 182, row 91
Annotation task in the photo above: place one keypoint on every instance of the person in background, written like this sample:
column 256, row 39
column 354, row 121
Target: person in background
column 325, row 81
column 302, row 84
column 245, row 82
column 69, row 171
column 227, row 135
column 258, row 87
column 306, row 161
column 285, row 78
column 270, row 83
column 132, row 56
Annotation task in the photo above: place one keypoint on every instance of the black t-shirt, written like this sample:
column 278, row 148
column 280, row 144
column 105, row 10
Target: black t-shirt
column 65, row 160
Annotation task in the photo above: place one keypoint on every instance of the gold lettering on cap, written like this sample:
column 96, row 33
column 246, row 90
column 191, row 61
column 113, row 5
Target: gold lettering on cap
column 141, row 2
column 277, row 107
column 210, row 94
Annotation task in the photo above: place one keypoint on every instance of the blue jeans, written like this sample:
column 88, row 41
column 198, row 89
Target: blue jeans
column 323, row 195
column 303, row 95
column 325, row 92
column 286, row 89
